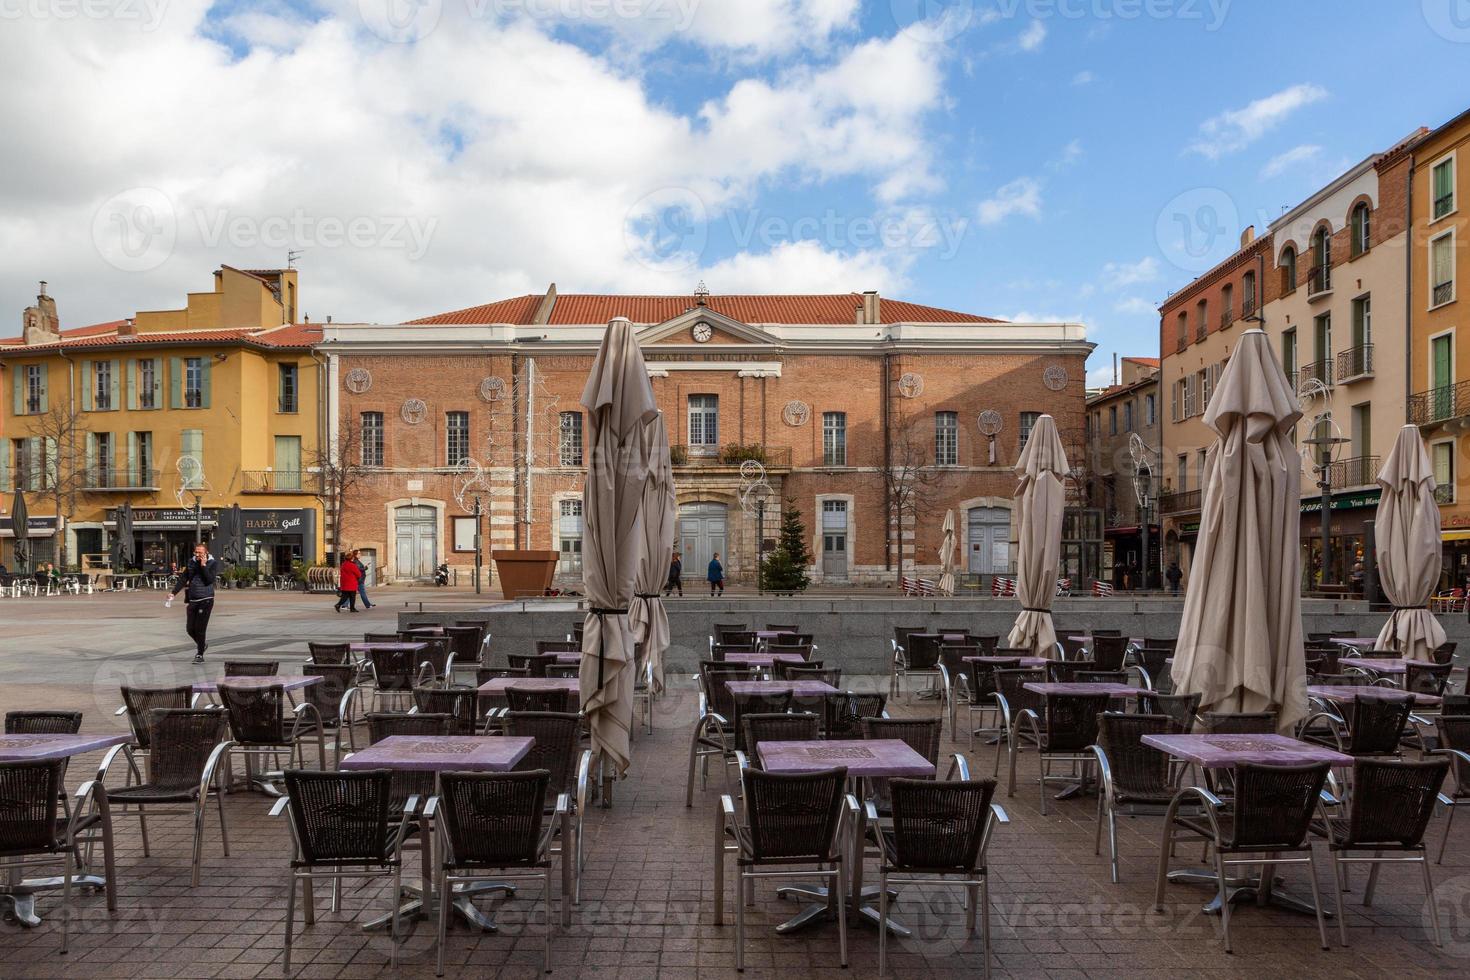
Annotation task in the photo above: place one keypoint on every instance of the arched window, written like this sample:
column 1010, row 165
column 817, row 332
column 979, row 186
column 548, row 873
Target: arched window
column 1227, row 305
column 1320, row 279
column 1288, row 269
column 1361, row 238
column 1248, row 294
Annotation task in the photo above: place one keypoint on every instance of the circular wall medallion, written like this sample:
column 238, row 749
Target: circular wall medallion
column 414, row 411
column 358, row 380
column 796, row 413
column 990, row 422
column 492, row 388
column 1054, row 377
column 911, row 385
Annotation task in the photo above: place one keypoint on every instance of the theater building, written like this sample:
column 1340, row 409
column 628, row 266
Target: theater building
column 870, row 415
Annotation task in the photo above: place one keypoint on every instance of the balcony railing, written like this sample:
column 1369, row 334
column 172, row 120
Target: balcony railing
column 1444, row 204
column 1316, row 371
column 109, row 478
column 771, row 457
column 1360, row 471
column 1443, row 293
column 1247, row 307
column 1440, row 404
column 1227, row 317
column 1201, row 329
column 1444, row 494
column 1355, row 363
column 1179, row 501
column 1319, row 279
column 274, row 481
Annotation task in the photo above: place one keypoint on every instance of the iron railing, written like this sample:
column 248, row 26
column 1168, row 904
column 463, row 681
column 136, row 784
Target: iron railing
column 1444, row 494
column 1247, row 306
column 1316, row 371
column 1440, row 404
column 115, row 478
column 1355, row 362
column 1319, row 279
column 771, row 457
column 273, row 481
column 1359, row 471
column 1443, row 293
column 1443, row 204
column 1227, row 317
column 1201, row 329
column 1179, row 501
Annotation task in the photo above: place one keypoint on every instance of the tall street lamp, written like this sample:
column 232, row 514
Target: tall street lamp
column 1326, row 444
column 1144, row 481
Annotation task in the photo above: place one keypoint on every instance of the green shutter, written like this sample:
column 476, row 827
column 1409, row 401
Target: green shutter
column 204, row 371
column 5, row 465
column 18, row 389
column 45, row 377
column 176, row 382
column 115, row 377
column 91, row 455
column 157, row 383
column 87, row 386
column 132, row 385
column 135, row 479
column 33, row 463
column 51, row 480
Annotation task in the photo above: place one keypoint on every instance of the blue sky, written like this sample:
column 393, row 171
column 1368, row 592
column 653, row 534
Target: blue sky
column 1018, row 159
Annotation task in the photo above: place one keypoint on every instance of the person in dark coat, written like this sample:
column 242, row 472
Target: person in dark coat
column 361, row 578
column 676, row 575
column 197, row 584
column 1174, row 574
column 716, row 575
column 349, row 580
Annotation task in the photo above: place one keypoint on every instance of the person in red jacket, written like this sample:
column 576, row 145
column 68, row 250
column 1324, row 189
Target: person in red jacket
column 349, row 578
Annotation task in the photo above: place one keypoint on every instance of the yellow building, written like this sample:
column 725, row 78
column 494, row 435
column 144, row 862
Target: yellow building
column 179, row 412
column 1439, row 374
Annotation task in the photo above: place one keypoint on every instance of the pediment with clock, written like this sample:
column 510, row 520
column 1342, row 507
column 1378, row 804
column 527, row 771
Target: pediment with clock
column 701, row 327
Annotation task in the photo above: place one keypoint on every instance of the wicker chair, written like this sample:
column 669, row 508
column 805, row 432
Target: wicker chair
column 382, row 638
column 564, row 671
column 1388, row 810
column 1011, row 698
column 1454, row 741
column 535, row 699
column 1064, row 731
column 1182, row 709
column 987, row 644
column 1151, row 664
column 1427, row 678
column 782, row 628
column 534, row 664
column 1237, row 723
column 1364, row 727
column 491, row 823
column 333, row 699
column 1444, row 653
column 920, row 659
column 1072, row 649
column 258, row 730
column 543, row 647
column 393, row 673
column 1100, row 676
column 920, row 734
column 185, row 747
column 939, row 832
column 957, row 676
column 1161, row 642
column 1267, row 822
column 723, row 629
column 900, row 644
column 138, row 703
column 794, row 827
column 330, row 653
column 460, row 703
column 252, row 668
column 714, row 731
column 738, row 638
column 802, row 650
column 982, row 697
column 1109, row 652
column 43, row 723
column 777, row 726
column 558, row 750
column 342, row 826
column 843, row 713
column 464, row 644
column 786, row 671
column 34, row 833
column 1065, row 671
column 745, row 705
column 1135, row 777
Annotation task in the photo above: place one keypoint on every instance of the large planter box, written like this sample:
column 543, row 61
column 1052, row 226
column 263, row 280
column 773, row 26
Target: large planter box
column 525, row 573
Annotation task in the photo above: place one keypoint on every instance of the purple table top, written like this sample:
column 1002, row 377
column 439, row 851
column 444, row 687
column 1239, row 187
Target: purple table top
column 1332, row 692
column 442, row 753
column 1025, row 661
column 1364, row 642
column 568, row 656
column 873, row 758
column 1084, row 638
column 764, row 659
column 499, row 684
column 1082, row 687
column 772, row 634
column 366, row 647
column 1224, row 751
column 290, row 682
column 431, row 630
column 1380, row 665
column 43, row 748
column 800, row 689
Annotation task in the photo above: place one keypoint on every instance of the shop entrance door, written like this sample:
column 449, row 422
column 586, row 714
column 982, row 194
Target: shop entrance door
column 417, row 543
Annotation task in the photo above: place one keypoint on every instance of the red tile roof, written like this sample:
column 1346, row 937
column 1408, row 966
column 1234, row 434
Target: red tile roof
column 1145, row 361
column 584, row 308
column 102, row 335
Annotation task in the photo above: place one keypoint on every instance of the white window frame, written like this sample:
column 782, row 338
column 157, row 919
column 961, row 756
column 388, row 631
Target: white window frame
column 1433, row 448
column 1454, row 285
column 705, row 411
column 947, row 438
column 450, row 459
column 1450, row 158
column 1150, row 410
column 570, row 447
column 834, row 438
column 362, row 441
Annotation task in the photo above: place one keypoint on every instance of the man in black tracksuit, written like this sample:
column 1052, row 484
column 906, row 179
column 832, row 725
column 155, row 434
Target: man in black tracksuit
column 197, row 584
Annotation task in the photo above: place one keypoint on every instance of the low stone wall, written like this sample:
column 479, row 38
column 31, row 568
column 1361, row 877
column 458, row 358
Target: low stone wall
column 855, row 633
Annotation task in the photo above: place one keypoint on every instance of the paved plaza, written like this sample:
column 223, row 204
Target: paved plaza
column 646, row 908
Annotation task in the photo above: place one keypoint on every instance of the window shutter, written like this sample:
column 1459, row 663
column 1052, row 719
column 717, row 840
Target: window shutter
column 157, row 384
column 205, row 366
column 51, row 480
column 5, row 465
column 132, row 385
column 116, row 382
column 91, row 454
column 18, row 390
column 45, row 376
column 87, row 386
column 135, row 479
column 176, row 382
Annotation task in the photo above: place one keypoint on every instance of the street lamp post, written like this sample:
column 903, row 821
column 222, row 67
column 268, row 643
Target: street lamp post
column 1145, row 487
column 1325, row 443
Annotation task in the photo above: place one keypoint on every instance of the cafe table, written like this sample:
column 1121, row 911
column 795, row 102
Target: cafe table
column 1109, row 688
column 772, row 634
column 425, row 630
column 1026, row 663
column 1340, row 695
column 764, row 661
column 438, row 754
column 1356, row 642
column 1226, row 752
column 363, row 649
column 798, row 689
column 1379, row 665
column 568, row 656
column 498, row 685
column 864, row 758
column 48, row 748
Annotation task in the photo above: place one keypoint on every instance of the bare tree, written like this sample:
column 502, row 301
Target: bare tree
column 908, row 478
column 340, row 470
column 61, row 466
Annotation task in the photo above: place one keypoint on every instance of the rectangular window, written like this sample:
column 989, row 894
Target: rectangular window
column 456, row 437
column 1181, row 472
column 1206, row 389
column 372, row 438
column 704, row 422
column 1442, row 270
column 1362, row 321
column 1028, row 422
column 1150, row 410
column 1443, row 190
column 35, row 390
column 193, row 382
column 1288, row 355
column 1128, row 416
column 1362, row 442
column 946, row 438
column 1174, row 402
column 288, row 463
column 286, row 389
column 191, row 448
column 1112, row 420
column 102, row 386
column 1181, row 331
column 147, row 384
column 1443, row 454
column 570, row 439
column 834, row 438
column 1200, row 457
column 140, row 467
column 101, row 461
column 569, row 533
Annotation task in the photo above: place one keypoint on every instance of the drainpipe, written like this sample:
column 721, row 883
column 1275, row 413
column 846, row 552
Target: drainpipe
column 515, row 434
column 1409, row 283
column 887, row 472
column 324, row 450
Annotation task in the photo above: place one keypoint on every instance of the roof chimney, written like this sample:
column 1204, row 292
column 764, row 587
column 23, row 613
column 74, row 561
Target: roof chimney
column 1247, row 236
column 872, row 307
column 543, row 311
column 39, row 323
column 127, row 328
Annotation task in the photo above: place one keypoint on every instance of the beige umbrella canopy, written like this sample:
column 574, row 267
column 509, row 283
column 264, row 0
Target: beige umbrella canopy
column 1042, row 467
column 946, row 555
column 647, row 617
column 1407, row 531
column 619, row 403
column 1240, row 636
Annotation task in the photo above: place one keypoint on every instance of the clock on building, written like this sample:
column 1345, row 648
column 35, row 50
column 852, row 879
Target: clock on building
column 702, row 332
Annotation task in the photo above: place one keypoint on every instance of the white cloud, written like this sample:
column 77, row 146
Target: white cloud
column 1032, row 36
column 1067, row 158
column 1021, row 196
column 804, row 267
column 1236, row 129
column 1083, row 78
column 1135, row 306
column 1295, row 157
column 1119, row 275
column 1102, row 375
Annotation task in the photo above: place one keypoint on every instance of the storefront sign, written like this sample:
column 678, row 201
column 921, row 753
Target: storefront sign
column 1345, row 501
column 169, row 515
column 1189, row 527
column 273, row 521
column 36, row 527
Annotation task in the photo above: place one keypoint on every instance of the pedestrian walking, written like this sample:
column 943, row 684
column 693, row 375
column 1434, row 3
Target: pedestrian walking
column 1174, row 574
column 349, row 580
column 361, row 578
column 197, row 584
column 716, row 576
column 676, row 576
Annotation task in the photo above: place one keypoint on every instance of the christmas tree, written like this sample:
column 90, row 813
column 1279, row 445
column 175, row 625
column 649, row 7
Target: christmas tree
column 785, row 567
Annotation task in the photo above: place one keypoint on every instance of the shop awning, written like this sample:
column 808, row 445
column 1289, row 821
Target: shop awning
column 1110, row 532
column 1455, row 534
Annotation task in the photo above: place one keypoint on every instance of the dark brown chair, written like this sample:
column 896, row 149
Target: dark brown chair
column 534, row 664
column 831, row 676
column 333, row 698
column 1074, row 645
column 407, row 784
column 382, row 638
column 1266, row 823
column 465, row 643
column 802, row 650
column 558, row 750
column 1064, row 731
column 714, row 729
column 745, row 705
column 1454, row 741
column 987, row 644
column 435, row 661
column 794, row 827
column 920, row 734
column 258, row 730
column 738, row 638
column 460, row 703
column 1182, row 709
column 1237, row 723
column 982, row 698
column 564, row 671
column 393, row 673
column 1444, row 653
column 1152, row 663
column 252, row 668
column 1135, row 777
column 1101, row 677
column 721, row 630
column 1011, row 697
column 956, row 676
column 1109, row 652
column 843, row 713
column 43, row 723
column 920, row 659
column 1427, row 678
column 544, row 647
column 780, row 726
column 536, row 699
column 330, row 653
column 781, row 628
column 1365, row 726
column 138, row 703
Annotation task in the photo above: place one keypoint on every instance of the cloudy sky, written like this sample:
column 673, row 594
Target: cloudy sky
column 1047, row 159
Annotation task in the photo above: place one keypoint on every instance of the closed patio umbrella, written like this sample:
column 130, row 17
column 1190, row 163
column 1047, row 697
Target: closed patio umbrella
column 1240, row 636
column 1042, row 466
column 946, row 555
column 123, row 545
column 20, row 525
column 647, row 616
column 619, row 403
column 1407, row 530
column 228, row 541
